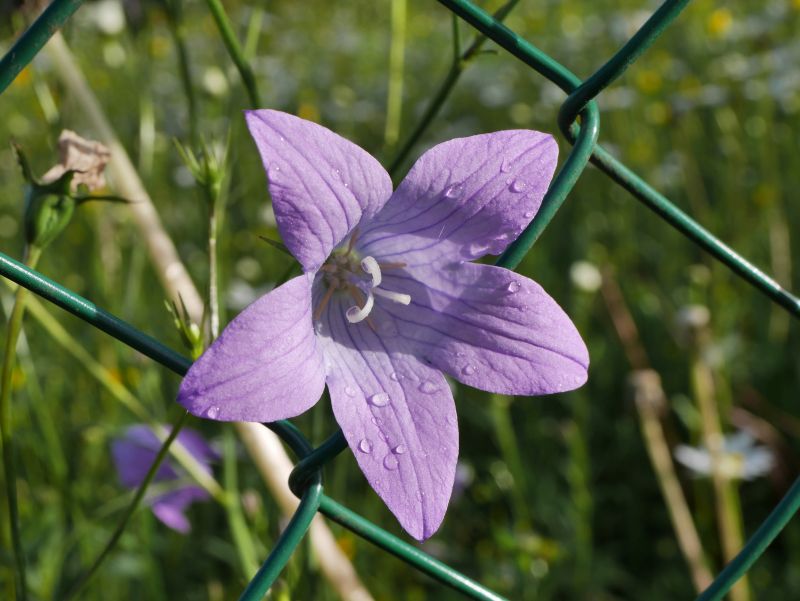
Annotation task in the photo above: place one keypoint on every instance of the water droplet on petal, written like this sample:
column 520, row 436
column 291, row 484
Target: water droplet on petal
column 350, row 391
column 380, row 399
column 508, row 181
column 454, row 190
column 528, row 214
column 399, row 449
column 336, row 173
column 365, row 446
column 394, row 376
column 390, row 462
column 468, row 370
column 505, row 166
column 513, row 286
column 428, row 387
column 212, row 412
column 518, row 185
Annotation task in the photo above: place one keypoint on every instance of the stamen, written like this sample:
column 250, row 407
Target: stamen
column 355, row 314
column 392, row 265
column 370, row 265
column 403, row 299
column 325, row 300
column 353, row 238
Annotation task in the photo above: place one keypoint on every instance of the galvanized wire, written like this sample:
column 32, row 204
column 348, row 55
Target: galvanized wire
column 305, row 480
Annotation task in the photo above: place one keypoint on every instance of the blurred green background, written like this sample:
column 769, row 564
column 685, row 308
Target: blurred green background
column 557, row 498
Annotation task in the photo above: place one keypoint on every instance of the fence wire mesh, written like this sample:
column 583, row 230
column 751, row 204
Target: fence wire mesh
column 579, row 120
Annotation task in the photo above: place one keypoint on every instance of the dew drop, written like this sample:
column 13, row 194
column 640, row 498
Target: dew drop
column 399, row 449
column 380, row 399
column 454, row 190
column 428, row 387
column 350, row 391
column 505, row 166
column 513, row 286
column 390, row 462
column 518, row 185
column 336, row 173
column 528, row 214
column 212, row 412
column 365, row 446
column 468, row 370
column 394, row 376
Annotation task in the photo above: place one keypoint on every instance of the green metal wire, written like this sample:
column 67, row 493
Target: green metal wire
column 36, row 36
column 305, row 480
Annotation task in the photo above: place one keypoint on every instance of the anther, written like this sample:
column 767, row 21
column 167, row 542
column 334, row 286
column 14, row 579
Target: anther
column 370, row 266
column 355, row 314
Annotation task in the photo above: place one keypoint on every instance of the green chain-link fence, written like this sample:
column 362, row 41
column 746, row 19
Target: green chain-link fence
column 579, row 120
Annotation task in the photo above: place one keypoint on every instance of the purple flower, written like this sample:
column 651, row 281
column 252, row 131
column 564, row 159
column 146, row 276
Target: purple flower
column 389, row 300
column 135, row 452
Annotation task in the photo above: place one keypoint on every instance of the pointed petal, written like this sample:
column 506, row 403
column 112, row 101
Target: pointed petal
column 398, row 417
column 320, row 183
column 464, row 199
column 134, row 453
column 490, row 328
column 170, row 507
column 265, row 366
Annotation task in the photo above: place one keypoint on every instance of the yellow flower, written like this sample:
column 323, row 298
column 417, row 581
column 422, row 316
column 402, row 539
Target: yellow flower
column 720, row 21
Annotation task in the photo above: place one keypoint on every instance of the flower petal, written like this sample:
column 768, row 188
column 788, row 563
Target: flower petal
column 133, row 455
column 320, row 183
column 490, row 328
column 398, row 417
column 465, row 198
column 265, row 366
column 169, row 508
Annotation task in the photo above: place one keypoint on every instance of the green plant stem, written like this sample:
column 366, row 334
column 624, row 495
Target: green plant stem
column 121, row 393
column 394, row 96
column 460, row 62
column 7, row 426
column 649, row 398
column 729, row 516
column 233, row 508
column 174, row 11
column 509, row 449
column 235, row 51
column 132, row 507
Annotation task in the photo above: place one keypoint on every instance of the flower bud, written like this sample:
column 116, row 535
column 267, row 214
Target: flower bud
column 50, row 202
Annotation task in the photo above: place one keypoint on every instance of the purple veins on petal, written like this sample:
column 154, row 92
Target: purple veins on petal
column 389, row 302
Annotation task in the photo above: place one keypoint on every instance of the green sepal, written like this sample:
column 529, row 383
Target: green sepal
column 278, row 245
column 48, row 210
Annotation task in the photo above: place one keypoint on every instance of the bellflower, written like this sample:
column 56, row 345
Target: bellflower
column 134, row 453
column 389, row 301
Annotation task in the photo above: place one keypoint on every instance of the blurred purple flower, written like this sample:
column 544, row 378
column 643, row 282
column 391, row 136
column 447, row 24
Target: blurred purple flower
column 134, row 453
column 389, row 300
